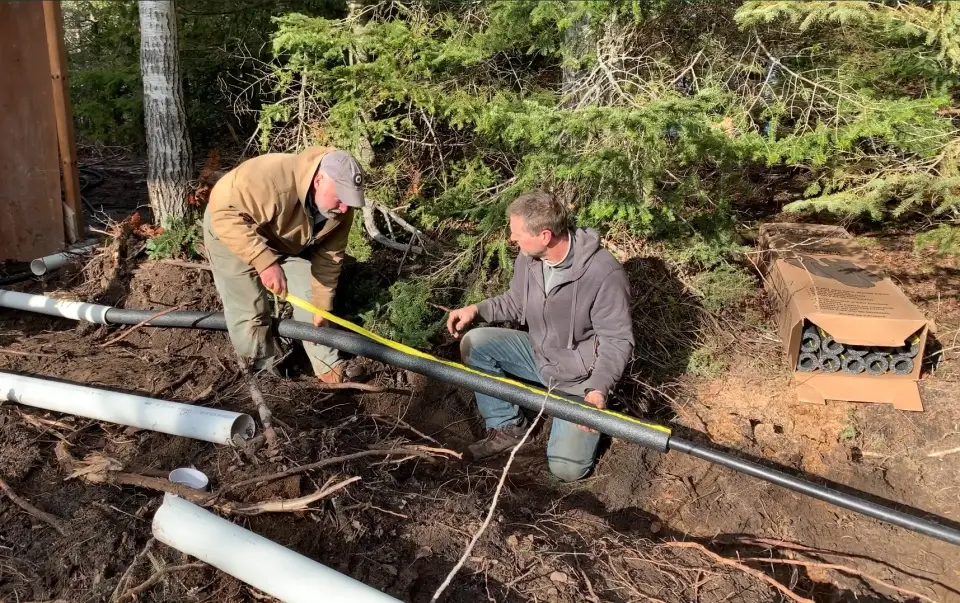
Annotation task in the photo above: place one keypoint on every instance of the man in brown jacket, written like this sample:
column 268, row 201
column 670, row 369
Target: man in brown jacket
column 280, row 222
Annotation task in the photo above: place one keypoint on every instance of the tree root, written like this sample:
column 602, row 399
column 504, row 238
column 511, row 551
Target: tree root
column 418, row 451
column 844, row 569
column 743, row 568
column 43, row 516
column 156, row 577
column 363, row 387
column 266, row 417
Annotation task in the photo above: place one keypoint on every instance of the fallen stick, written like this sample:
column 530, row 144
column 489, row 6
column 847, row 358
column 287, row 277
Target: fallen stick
column 152, row 580
column 743, row 568
column 184, row 264
column 290, row 504
column 943, row 453
column 19, row 353
column 844, row 569
column 415, row 451
column 374, row 233
column 493, row 506
column 151, row 483
column 126, row 333
column 126, row 574
column 43, row 516
column 405, row 425
column 200, row 497
column 266, row 417
column 364, row 387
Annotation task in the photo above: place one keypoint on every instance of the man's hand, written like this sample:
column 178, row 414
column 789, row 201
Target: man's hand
column 594, row 398
column 319, row 321
column 275, row 280
column 460, row 319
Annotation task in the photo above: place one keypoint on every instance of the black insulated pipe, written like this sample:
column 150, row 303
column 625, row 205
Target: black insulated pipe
column 808, row 362
column 841, row 499
column 853, row 364
column 810, row 341
column 877, row 364
column 568, row 409
column 901, row 364
column 829, row 345
column 829, row 363
column 615, row 425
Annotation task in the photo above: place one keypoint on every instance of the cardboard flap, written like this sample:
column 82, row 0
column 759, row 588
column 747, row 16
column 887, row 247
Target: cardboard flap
column 904, row 394
column 862, row 330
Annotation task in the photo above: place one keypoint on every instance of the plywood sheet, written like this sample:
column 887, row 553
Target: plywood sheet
column 31, row 214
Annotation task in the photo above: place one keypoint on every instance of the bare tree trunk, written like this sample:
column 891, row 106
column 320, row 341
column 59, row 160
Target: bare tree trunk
column 578, row 39
column 364, row 151
column 168, row 142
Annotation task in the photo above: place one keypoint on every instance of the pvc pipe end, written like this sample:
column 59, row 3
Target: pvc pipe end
column 190, row 477
column 38, row 267
column 244, row 427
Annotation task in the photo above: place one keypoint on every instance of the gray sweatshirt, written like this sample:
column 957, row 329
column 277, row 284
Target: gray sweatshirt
column 581, row 332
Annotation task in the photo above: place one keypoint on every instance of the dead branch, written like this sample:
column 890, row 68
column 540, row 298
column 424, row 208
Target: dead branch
column 844, row 569
column 156, row 577
column 123, row 478
column 406, row 450
column 396, row 421
column 431, row 450
column 370, row 223
column 389, row 214
column 743, row 568
column 266, row 417
column 182, row 264
column 493, row 506
column 291, row 504
column 129, row 570
column 43, row 516
column 126, row 333
column 364, row 387
column 943, row 453
column 200, row 497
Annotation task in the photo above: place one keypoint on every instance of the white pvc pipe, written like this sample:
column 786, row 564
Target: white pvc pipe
column 207, row 424
column 261, row 563
column 54, row 307
column 49, row 263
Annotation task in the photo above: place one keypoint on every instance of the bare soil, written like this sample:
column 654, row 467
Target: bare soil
column 611, row 537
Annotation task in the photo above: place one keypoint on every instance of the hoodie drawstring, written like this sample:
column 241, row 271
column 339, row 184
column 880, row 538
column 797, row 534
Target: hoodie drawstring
column 526, row 285
column 573, row 314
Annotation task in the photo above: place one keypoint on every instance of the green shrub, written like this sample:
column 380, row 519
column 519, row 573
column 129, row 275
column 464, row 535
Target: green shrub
column 944, row 239
column 408, row 317
column 703, row 362
column 182, row 239
column 724, row 286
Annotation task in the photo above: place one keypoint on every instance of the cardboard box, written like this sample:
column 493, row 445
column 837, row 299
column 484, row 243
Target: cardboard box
column 819, row 274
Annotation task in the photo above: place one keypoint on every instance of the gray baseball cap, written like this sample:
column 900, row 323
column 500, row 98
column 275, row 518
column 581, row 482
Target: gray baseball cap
column 347, row 177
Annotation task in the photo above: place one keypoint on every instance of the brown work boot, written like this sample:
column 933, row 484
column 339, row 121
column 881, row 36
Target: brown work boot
column 496, row 442
column 334, row 375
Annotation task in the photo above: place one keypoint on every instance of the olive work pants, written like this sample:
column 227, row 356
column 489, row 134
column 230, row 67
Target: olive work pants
column 246, row 305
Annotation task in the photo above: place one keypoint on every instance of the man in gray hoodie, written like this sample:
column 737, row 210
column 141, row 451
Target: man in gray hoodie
column 574, row 298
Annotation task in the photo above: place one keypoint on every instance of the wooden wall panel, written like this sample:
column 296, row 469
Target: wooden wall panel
column 31, row 213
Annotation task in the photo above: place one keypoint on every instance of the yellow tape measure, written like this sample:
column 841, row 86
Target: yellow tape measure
column 346, row 324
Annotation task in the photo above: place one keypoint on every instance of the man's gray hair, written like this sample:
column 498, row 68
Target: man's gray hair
column 540, row 211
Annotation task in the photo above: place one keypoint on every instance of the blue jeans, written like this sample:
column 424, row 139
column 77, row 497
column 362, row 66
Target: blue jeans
column 504, row 352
